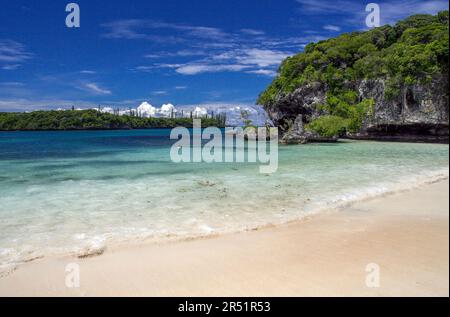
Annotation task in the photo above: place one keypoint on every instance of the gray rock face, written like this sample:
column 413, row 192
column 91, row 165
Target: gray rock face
column 416, row 104
column 420, row 112
column 303, row 100
column 295, row 135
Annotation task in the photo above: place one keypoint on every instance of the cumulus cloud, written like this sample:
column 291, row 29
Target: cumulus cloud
column 146, row 110
column 233, row 112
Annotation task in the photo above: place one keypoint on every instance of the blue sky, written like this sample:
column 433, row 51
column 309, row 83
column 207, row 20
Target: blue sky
column 192, row 52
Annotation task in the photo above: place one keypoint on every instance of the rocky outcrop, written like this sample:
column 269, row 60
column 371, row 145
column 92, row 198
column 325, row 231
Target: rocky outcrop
column 420, row 112
column 298, row 135
column 303, row 101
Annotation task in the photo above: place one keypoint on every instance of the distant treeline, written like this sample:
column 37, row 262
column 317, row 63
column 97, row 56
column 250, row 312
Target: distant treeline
column 93, row 120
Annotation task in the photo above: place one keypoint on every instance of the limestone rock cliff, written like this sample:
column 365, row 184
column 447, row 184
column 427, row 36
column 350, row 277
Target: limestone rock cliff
column 388, row 83
column 420, row 112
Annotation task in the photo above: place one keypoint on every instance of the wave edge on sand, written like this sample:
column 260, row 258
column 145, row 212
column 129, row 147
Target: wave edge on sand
column 100, row 245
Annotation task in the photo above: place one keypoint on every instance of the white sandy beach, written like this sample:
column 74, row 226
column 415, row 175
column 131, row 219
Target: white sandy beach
column 406, row 234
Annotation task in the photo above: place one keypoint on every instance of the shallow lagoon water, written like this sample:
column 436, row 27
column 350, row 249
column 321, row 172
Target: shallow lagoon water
column 65, row 192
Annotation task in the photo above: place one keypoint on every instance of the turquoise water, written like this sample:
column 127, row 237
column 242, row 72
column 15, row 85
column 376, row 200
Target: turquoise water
column 68, row 192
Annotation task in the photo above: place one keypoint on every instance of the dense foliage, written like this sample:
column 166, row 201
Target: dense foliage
column 91, row 120
column 328, row 126
column 412, row 51
column 346, row 106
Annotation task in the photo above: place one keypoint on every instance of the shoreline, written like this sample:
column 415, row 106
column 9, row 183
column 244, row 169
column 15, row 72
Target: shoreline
column 216, row 250
column 424, row 139
column 402, row 139
column 336, row 204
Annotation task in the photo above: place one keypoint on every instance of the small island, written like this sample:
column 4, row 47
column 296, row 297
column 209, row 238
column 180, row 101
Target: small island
column 389, row 83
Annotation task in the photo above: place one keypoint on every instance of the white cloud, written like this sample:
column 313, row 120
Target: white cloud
column 181, row 53
column 12, row 84
column 168, row 108
column 153, row 55
column 123, row 29
column 200, row 112
column 145, row 109
column 233, row 111
column 96, row 89
column 202, row 32
column 133, row 29
column 14, row 88
column 211, row 50
column 251, row 60
column 194, row 69
column 88, row 72
column 332, row 28
column 151, row 68
column 262, row 57
column 12, row 54
column 265, row 72
column 330, row 7
column 11, row 67
column 252, row 32
column 391, row 11
column 23, row 104
column 291, row 42
column 159, row 92
column 190, row 52
column 38, row 103
column 144, row 69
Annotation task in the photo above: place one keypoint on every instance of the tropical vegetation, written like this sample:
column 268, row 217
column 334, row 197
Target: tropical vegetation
column 92, row 120
column 412, row 51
